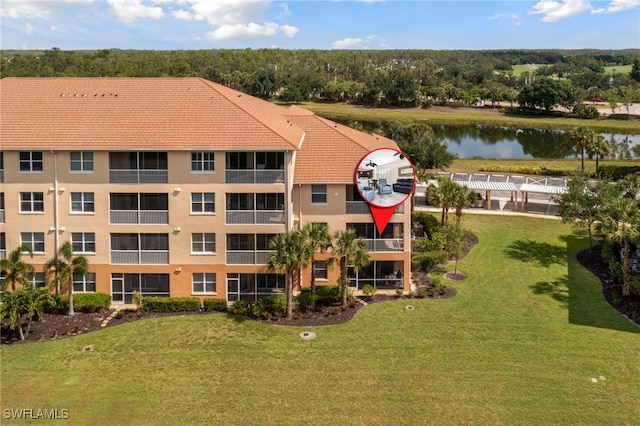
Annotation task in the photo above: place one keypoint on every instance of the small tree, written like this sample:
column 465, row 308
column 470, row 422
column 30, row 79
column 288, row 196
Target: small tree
column 28, row 301
column 456, row 242
column 600, row 148
column 15, row 269
column 583, row 138
column 64, row 265
column 443, row 195
column 349, row 250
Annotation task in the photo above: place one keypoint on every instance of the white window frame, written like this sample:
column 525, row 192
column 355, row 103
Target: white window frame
column 84, row 281
column 83, row 202
column 85, row 163
column 200, row 238
column 203, row 203
column 31, row 162
column 85, row 239
column 32, row 202
column 33, row 240
column 205, row 279
column 315, row 192
column 38, row 279
column 321, row 265
column 204, row 158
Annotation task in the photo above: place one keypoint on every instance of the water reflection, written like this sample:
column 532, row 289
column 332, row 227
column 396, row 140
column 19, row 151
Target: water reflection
column 508, row 142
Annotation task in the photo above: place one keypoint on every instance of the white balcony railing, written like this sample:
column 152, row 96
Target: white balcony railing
column 274, row 217
column 3, row 254
column 139, row 217
column 361, row 207
column 254, row 176
column 138, row 176
column 247, row 257
column 385, row 244
column 143, row 257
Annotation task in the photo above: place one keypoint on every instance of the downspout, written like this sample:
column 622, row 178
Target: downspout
column 56, row 219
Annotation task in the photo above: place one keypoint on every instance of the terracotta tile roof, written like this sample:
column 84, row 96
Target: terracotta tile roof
column 331, row 152
column 140, row 113
column 174, row 114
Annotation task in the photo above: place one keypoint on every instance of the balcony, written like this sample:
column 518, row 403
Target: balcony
column 254, row 176
column 142, row 217
column 142, row 257
column 248, row 257
column 274, row 217
column 361, row 207
column 3, row 254
column 2, row 216
column 138, row 176
column 386, row 244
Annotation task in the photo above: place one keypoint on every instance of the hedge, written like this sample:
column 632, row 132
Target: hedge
column 82, row 302
column 170, row 304
column 215, row 305
column 428, row 260
column 615, row 172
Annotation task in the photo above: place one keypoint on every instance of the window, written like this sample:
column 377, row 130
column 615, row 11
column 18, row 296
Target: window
column 202, row 162
column 31, row 202
column 203, row 243
column 37, row 279
column 318, row 194
column 81, row 161
column 270, row 201
column 31, row 161
column 321, row 269
column 3, row 246
column 83, row 242
column 34, row 239
column 83, row 283
column 1, row 207
column 123, row 286
column 239, row 201
column 140, row 249
column 204, row 283
column 82, row 202
column 203, row 202
column 270, row 160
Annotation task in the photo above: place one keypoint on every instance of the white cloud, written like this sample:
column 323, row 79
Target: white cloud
column 39, row 9
column 128, row 11
column 347, row 43
column 250, row 30
column 229, row 12
column 29, row 29
column 285, row 10
column 554, row 11
column 513, row 17
column 618, row 6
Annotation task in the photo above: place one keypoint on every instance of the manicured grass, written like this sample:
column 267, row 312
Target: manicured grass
column 519, row 344
column 475, row 165
column 465, row 116
column 617, row 69
column 519, row 69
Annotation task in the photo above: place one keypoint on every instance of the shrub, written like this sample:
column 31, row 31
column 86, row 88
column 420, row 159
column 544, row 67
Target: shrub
column 306, row 299
column 273, row 304
column 436, row 243
column 369, row 291
column 90, row 302
column 215, row 305
column 136, row 298
column 328, row 295
column 615, row 172
column 241, row 307
column 170, row 304
column 399, row 292
column 421, row 294
column 428, row 260
column 427, row 221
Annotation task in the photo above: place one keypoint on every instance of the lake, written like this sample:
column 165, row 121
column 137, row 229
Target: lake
column 506, row 142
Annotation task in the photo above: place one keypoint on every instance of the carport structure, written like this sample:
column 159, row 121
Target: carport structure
column 511, row 184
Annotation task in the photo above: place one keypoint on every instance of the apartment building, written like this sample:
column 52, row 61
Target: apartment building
column 174, row 186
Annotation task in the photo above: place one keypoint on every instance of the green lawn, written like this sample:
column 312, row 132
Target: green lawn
column 519, row 344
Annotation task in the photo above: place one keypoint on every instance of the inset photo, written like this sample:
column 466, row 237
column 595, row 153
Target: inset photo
column 385, row 177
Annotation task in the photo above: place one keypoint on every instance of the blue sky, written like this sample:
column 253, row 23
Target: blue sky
column 330, row 24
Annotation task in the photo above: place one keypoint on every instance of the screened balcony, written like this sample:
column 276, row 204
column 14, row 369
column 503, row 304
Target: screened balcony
column 144, row 209
column 246, row 208
column 138, row 167
column 254, row 167
column 140, row 249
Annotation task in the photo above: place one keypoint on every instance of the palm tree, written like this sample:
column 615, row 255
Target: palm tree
column 443, row 196
column 349, row 250
column 462, row 197
column 621, row 225
column 582, row 138
column 15, row 269
column 318, row 237
column 290, row 252
column 64, row 265
column 600, row 148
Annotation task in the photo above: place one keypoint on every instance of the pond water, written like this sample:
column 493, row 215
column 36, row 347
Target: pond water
column 508, row 142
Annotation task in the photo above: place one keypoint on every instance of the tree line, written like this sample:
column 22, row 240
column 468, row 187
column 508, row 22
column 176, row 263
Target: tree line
column 387, row 78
